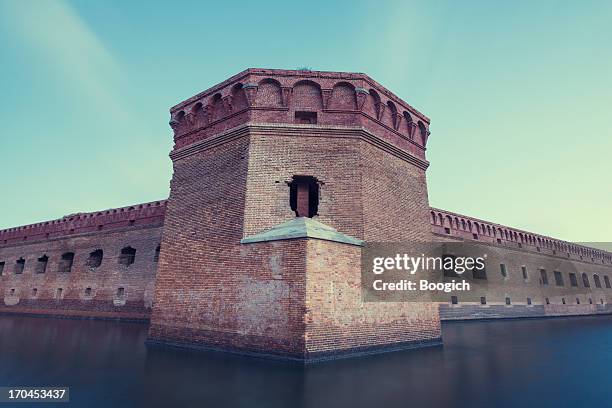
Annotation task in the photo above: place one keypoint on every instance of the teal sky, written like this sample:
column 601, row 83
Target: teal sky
column 519, row 94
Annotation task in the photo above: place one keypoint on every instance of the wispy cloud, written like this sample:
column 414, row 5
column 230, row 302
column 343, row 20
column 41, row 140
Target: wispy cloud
column 70, row 48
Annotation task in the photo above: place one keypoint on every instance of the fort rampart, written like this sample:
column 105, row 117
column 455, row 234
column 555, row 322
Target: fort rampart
column 278, row 179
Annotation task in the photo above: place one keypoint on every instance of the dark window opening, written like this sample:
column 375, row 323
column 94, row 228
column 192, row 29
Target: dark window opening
column 528, row 301
column 156, row 256
column 508, row 302
column 120, row 293
column 606, row 279
column 19, row 266
column 590, row 301
column 547, row 301
column 454, row 300
column 1, row 268
column 597, row 281
column 479, row 273
column 449, row 260
column 66, row 262
column 585, row 280
column 95, row 258
column 524, row 270
column 128, row 256
column 573, row 280
column 543, row 277
column 577, row 301
column 308, row 118
column 563, row 300
column 34, row 292
column 88, row 292
column 504, row 271
column 447, row 231
column 12, row 292
column 483, row 300
column 559, row 279
column 304, row 196
column 41, row 266
column 58, row 293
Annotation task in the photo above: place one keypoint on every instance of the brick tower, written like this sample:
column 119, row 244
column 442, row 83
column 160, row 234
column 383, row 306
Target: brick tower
column 279, row 176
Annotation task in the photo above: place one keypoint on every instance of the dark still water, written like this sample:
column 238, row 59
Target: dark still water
column 554, row 362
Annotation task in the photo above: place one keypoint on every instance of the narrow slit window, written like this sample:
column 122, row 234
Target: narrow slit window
column 2, row 268
column 156, row 256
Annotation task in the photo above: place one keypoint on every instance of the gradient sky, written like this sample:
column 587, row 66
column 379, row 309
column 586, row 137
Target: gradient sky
column 519, row 94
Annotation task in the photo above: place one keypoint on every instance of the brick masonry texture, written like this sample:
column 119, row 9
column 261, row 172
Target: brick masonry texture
column 36, row 292
column 237, row 146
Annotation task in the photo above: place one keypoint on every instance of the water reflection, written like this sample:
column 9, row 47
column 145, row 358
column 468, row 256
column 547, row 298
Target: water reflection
column 556, row 362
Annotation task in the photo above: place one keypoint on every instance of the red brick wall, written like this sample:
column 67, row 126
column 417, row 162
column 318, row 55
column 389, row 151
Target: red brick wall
column 337, row 320
column 137, row 279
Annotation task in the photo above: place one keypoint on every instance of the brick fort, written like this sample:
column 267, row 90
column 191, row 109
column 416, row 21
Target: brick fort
column 279, row 178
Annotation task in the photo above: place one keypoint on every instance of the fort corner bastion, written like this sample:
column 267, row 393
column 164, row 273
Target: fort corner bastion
column 279, row 178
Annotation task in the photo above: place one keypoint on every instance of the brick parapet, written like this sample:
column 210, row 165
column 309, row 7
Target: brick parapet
column 450, row 224
column 146, row 214
column 274, row 96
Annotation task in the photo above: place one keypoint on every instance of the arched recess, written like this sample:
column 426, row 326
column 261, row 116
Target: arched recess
column 239, row 100
column 269, row 93
column 372, row 104
column 389, row 115
column 307, row 96
column 343, row 97
column 216, row 105
column 407, row 125
column 422, row 133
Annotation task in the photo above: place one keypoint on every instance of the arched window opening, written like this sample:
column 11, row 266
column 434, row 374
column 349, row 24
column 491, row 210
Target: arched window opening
column 597, row 281
column 607, row 282
column 120, row 293
column 95, row 258
column 304, row 196
column 585, row 280
column 66, row 262
column 128, row 256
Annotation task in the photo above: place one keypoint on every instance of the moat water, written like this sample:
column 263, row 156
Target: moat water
column 548, row 363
